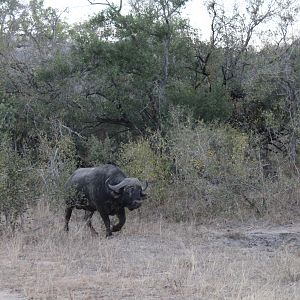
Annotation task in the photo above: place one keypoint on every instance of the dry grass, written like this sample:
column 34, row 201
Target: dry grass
column 153, row 260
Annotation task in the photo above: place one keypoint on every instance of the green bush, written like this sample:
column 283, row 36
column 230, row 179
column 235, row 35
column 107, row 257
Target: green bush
column 23, row 183
column 147, row 160
column 17, row 184
column 100, row 151
column 57, row 159
column 205, row 105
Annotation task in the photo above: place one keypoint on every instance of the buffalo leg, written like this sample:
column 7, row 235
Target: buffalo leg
column 68, row 213
column 88, row 218
column 122, row 218
column 106, row 221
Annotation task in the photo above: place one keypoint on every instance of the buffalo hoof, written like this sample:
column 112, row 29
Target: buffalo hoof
column 108, row 235
column 116, row 228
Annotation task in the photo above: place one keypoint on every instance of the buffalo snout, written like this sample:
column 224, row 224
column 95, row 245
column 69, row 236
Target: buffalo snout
column 135, row 204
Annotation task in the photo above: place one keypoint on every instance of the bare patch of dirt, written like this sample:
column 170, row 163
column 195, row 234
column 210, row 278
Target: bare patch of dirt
column 9, row 295
column 153, row 260
column 270, row 238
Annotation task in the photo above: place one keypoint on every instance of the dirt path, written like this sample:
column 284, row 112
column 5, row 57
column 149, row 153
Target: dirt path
column 8, row 295
column 154, row 261
column 269, row 237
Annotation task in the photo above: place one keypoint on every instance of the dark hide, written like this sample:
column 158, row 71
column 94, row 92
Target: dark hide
column 105, row 189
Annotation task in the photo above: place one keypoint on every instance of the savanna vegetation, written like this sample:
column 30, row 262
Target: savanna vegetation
column 212, row 125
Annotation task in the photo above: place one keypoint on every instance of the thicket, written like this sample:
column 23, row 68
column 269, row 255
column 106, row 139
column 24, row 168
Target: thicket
column 195, row 171
column 213, row 125
column 200, row 171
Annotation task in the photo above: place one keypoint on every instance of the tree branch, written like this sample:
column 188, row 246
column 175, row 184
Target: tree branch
column 108, row 4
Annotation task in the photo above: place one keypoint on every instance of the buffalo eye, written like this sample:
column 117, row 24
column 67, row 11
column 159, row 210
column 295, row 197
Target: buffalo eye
column 129, row 190
column 143, row 195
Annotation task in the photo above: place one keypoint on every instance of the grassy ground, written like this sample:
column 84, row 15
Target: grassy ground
column 152, row 260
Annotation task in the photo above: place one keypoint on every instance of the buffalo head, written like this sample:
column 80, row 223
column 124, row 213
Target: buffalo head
column 130, row 191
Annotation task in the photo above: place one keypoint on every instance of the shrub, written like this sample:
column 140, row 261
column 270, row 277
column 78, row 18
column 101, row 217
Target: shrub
column 57, row 159
column 100, row 152
column 146, row 159
column 17, row 188
column 218, row 172
column 215, row 170
column 208, row 105
column 197, row 170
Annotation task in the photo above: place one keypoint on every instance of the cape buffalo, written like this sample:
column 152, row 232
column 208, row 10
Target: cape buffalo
column 106, row 189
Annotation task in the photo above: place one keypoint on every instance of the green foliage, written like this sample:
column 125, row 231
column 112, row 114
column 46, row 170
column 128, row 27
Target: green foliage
column 147, row 160
column 120, row 75
column 59, row 68
column 57, row 162
column 100, row 152
column 206, row 105
column 142, row 161
column 17, row 187
column 123, row 59
column 7, row 113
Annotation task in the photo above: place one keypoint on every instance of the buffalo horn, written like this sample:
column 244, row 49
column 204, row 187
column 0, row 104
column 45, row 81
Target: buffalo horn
column 126, row 182
column 144, row 186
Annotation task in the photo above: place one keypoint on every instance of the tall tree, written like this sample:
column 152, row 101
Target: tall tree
column 125, row 63
column 31, row 36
